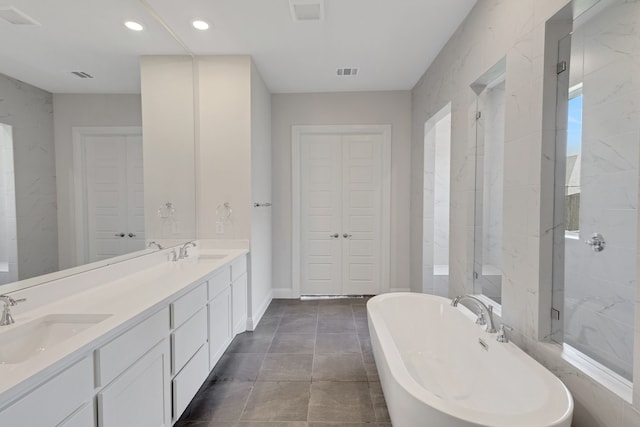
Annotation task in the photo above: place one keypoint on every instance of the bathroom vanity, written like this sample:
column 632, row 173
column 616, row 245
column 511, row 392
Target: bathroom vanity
column 131, row 351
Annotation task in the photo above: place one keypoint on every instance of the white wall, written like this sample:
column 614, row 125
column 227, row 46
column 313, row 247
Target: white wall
column 30, row 111
column 492, row 30
column 70, row 111
column 261, row 218
column 340, row 108
column 168, row 135
column 224, row 138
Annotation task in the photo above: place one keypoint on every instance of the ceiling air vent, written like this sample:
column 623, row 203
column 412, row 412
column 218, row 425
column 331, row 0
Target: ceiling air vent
column 82, row 74
column 307, row 10
column 347, row 72
column 15, row 17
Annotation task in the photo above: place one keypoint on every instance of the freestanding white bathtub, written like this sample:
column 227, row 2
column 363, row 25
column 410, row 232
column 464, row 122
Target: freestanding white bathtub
column 435, row 373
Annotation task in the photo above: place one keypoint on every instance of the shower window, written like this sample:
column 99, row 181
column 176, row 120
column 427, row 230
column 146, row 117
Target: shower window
column 574, row 160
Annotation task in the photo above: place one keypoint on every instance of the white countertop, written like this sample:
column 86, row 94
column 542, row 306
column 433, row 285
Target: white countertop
column 128, row 300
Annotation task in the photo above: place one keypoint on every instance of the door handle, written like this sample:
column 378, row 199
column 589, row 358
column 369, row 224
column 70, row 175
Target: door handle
column 334, row 236
column 119, row 234
column 132, row 235
column 346, row 236
column 596, row 242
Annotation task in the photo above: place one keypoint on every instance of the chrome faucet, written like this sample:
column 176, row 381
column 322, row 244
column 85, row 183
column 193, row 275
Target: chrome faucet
column 183, row 249
column 7, row 318
column 485, row 313
column 158, row 245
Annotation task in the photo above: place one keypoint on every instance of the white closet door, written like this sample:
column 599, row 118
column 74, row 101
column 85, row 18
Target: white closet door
column 135, row 194
column 105, row 156
column 321, row 214
column 362, row 213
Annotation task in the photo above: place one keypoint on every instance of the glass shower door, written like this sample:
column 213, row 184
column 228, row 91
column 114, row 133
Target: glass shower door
column 596, row 268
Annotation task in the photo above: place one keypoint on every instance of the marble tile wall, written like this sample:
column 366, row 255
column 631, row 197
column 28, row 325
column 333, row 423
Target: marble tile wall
column 30, row 111
column 517, row 29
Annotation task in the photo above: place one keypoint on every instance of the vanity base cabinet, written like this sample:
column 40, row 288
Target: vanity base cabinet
column 139, row 397
column 186, row 384
column 220, row 326
column 83, row 417
column 55, row 401
column 239, row 299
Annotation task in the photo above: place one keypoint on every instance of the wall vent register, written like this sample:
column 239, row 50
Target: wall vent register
column 346, row 72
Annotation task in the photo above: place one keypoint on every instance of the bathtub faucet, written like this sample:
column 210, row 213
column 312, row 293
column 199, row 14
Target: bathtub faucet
column 485, row 314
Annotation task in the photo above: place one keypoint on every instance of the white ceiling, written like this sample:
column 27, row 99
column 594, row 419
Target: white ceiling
column 391, row 41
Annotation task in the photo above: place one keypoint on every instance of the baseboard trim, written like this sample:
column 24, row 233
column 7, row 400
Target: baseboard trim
column 400, row 290
column 253, row 321
column 283, row 293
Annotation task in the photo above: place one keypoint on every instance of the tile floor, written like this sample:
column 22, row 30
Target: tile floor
column 307, row 364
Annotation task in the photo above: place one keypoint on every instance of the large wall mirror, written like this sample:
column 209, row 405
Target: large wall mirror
column 73, row 186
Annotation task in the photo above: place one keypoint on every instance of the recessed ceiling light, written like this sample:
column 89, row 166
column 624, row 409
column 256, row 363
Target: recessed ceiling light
column 134, row 26
column 200, row 25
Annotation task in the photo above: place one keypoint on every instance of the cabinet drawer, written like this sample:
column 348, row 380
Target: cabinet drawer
column 219, row 282
column 184, row 307
column 238, row 267
column 122, row 352
column 55, row 400
column 188, row 381
column 83, row 417
column 187, row 339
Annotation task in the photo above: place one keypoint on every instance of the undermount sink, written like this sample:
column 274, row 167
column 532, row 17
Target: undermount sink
column 23, row 342
column 211, row 257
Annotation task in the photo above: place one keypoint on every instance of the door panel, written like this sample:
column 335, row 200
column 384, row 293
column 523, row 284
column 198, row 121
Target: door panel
column 362, row 214
column 321, row 207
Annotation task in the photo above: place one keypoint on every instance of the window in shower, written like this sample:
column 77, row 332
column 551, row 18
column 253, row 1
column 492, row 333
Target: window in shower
column 437, row 167
column 595, row 260
column 489, row 127
column 574, row 160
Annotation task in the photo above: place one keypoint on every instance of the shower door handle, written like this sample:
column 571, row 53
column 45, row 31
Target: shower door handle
column 334, row 236
column 596, row 242
column 346, row 235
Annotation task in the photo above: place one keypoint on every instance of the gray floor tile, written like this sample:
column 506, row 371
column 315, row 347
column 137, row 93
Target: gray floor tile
column 335, row 310
column 238, row 367
column 221, row 401
column 272, row 424
column 362, row 326
column 298, row 325
column 278, row 401
column 379, row 404
column 286, row 367
column 249, row 342
column 372, row 371
column 338, row 367
column 336, row 325
column 293, row 343
column 337, row 343
column 343, row 424
column 267, row 326
column 341, row 402
column 305, row 309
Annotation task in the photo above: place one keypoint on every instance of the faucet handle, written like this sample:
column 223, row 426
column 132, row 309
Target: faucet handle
column 481, row 319
column 502, row 334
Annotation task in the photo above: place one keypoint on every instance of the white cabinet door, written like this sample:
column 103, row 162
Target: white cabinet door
column 140, row 397
column 220, row 332
column 239, row 301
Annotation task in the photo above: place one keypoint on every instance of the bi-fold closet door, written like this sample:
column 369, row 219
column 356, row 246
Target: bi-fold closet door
column 341, row 214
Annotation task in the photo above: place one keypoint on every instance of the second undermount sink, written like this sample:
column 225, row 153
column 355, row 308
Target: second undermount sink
column 23, row 342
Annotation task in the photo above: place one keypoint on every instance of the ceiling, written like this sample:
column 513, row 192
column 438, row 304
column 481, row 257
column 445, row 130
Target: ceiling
column 392, row 42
